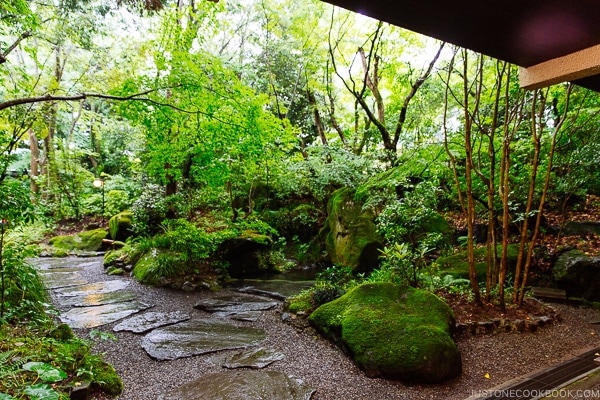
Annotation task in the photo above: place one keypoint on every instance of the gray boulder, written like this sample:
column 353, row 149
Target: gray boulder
column 578, row 274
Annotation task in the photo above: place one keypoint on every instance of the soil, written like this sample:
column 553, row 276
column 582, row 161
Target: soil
column 466, row 311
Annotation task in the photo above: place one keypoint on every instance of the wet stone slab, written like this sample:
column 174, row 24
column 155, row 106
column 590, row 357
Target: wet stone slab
column 93, row 288
column 276, row 289
column 244, row 316
column 95, row 299
column 192, row 338
column 62, row 279
column 242, row 385
column 230, row 305
column 92, row 317
column 252, row 358
column 150, row 320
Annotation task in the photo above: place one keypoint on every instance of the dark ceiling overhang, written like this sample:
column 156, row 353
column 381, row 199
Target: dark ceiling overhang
column 552, row 40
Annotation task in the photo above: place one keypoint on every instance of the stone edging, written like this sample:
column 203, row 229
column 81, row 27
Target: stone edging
column 500, row 325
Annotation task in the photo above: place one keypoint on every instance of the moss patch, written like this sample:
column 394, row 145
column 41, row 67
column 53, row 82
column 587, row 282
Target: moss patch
column 83, row 241
column 393, row 331
column 119, row 226
column 457, row 266
column 351, row 237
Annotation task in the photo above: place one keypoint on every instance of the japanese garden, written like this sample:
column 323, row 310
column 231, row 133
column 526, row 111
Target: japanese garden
column 204, row 198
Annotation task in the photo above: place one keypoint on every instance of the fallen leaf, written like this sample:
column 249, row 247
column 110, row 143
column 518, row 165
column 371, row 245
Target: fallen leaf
column 487, row 375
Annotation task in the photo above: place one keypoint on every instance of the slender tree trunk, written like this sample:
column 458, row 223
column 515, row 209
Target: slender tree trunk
column 470, row 214
column 317, row 116
column 536, row 229
column 34, row 163
column 523, row 242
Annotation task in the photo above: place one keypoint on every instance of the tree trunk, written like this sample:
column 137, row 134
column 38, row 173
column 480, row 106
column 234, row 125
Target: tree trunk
column 34, row 163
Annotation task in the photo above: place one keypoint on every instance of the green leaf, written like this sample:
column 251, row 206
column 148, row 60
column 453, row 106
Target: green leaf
column 4, row 396
column 41, row 392
column 46, row 372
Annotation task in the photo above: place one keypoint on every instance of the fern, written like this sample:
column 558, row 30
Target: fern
column 10, row 365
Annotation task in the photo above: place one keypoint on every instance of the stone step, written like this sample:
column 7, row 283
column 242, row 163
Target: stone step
column 550, row 294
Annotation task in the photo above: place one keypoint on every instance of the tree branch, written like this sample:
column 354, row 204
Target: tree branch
column 5, row 53
column 82, row 96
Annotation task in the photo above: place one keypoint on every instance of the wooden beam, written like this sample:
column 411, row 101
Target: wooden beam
column 578, row 65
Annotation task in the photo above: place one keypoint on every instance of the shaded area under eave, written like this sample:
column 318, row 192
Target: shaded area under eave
column 524, row 33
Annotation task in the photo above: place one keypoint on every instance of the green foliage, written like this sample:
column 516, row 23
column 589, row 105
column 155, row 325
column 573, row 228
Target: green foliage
column 15, row 203
column 24, row 296
column 149, row 210
column 326, row 169
column 39, row 364
column 331, row 283
column 412, row 228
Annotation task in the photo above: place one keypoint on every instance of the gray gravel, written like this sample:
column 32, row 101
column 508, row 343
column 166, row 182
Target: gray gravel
column 324, row 367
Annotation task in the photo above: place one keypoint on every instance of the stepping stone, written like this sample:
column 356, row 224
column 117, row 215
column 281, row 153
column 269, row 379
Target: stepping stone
column 192, row 338
column 252, row 358
column 245, row 316
column 92, row 317
column 93, row 288
column 234, row 304
column 96, row 299
column 242, row 385
column 276, row 289
column 62, row 279
column 151, row 320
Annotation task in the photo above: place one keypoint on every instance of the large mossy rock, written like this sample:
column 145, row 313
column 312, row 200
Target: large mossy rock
column 83, row 241
column 393, row 331
column 578, row 274
column 119, row 226
column 351, row 237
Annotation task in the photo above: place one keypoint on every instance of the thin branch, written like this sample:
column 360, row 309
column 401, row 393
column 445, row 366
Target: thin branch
column 5, row 53
column 82, row 96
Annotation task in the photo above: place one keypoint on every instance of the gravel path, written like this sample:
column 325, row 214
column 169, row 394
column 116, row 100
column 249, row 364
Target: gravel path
column 322, row 366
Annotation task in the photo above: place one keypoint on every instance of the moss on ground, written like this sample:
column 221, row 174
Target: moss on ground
column 457, row 266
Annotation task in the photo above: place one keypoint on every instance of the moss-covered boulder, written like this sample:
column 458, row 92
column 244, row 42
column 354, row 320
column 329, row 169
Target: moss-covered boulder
column 119, row 226
column 84, row 241
column 393, row 331
column 351, row 237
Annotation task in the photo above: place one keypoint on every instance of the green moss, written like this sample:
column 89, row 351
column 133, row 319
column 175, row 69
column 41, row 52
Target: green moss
column 119, row 226
column 386, row 180
column 83, row 241
column 393, row 331
column 156, row 264
column 115, row 271
column 142, row 271
column 60, row 253
column 457, row 266
column 110, row 257
column 106, row 378
column 62, row 332
column 300, row 303
column 351, row 237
